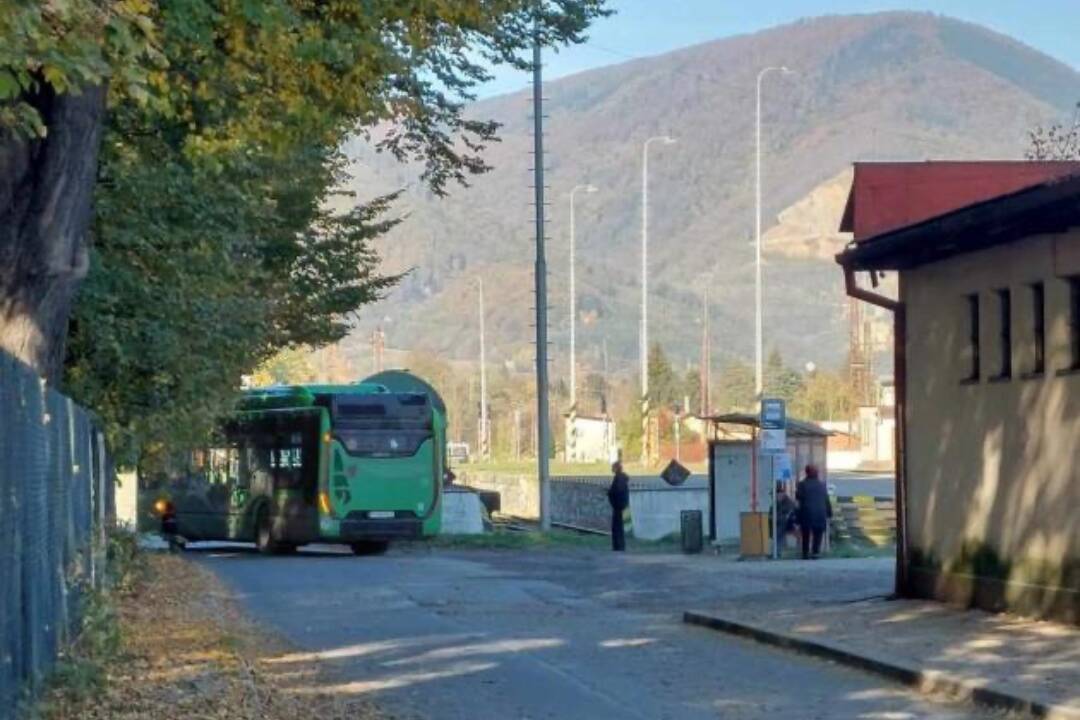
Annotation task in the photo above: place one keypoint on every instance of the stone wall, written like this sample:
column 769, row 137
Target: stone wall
column 581, row 502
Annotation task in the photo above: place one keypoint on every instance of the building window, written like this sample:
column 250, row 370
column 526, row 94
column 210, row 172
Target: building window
column 1004, row 335
column 973, row 337
column 1074, row 321
column 1038, row 327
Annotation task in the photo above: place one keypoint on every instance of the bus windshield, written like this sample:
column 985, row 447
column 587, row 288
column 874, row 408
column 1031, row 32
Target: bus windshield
column 381, row 425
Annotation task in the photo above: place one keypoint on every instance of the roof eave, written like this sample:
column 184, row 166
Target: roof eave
column 1048, row 208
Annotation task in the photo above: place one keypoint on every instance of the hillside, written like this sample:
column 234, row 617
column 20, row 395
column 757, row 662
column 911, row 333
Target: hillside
column 874, row 87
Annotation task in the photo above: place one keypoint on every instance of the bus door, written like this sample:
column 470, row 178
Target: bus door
column 220, row 477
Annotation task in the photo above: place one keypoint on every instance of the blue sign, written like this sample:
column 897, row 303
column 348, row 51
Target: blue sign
column 773, row 414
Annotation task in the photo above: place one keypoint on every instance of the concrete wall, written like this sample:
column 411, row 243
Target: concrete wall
column 582, row 502
column 655, row 511
column 518, row 494
column 462, row 513
column 993, row 510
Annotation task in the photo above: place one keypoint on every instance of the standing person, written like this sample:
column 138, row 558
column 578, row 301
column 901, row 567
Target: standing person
column 619, row 497
column 787, row 521
column 814, row 511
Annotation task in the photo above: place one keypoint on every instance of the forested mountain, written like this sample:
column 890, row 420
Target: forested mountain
column 893, row 86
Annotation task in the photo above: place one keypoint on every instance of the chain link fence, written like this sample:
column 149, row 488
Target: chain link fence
column 56, row 498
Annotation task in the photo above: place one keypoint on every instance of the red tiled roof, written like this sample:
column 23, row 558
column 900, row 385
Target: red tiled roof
column 889, row 196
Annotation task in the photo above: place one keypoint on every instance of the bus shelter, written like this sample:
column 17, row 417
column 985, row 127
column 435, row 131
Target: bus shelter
column 734, row 490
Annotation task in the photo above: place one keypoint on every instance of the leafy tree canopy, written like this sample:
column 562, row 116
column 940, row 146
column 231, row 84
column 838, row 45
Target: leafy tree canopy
column 825, row 395
column 735, row 388
column 780, row 381
column 214, row 244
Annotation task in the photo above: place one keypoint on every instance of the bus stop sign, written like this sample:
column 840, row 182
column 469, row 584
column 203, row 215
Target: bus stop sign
column 773, row 424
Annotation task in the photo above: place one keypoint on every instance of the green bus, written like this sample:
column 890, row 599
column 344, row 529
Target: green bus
column 359, row 465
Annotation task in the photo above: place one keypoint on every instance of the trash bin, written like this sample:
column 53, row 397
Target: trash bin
column 692, row 536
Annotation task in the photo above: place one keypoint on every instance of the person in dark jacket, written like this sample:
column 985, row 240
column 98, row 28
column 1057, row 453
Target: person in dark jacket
column 788, row 520
column 619, row 497
column 814, row 511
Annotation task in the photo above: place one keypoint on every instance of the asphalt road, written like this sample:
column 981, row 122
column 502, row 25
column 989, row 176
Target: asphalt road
column 573, row 634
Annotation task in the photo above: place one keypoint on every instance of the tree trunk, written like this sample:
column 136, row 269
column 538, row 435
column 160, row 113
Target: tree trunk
column 46, row 192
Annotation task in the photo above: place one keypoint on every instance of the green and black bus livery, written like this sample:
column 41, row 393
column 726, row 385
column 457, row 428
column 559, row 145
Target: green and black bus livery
column 360, row 464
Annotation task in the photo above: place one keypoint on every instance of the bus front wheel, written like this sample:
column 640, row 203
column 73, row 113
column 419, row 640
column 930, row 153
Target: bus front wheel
column 264, row 534
column 370, row 547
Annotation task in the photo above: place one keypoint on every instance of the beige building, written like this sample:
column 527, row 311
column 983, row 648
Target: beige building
column 987, row 377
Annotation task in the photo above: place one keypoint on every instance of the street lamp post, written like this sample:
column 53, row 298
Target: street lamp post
column 484, row 436
column 758, row 340
column 573, row 297
column 667, row 140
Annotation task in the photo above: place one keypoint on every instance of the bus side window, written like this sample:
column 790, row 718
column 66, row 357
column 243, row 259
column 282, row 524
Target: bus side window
column 217, row 477
column 245, row 458
column 234, row 467
column 260, row 472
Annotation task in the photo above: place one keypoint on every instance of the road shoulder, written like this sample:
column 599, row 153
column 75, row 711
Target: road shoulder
column 187, row 650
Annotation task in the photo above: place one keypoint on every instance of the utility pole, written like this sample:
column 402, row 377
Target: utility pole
column 378, row 343
column 483, row 444
column 543, row 430
column 517, row 433
column 571, row 448
column 706, row 352
column 644, row 350
column 573, row 296
column 759, row 374
column 678, row 435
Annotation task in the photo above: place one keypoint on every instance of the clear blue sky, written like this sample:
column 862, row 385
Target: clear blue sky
column 651, row 27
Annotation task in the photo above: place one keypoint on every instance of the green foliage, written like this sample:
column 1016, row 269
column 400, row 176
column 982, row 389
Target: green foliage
column 81, row 670
column 779, row 380
column 215, row 244
column 735, row 388
column 666, row 388
column 628, row 429
column 691, row 384
column 124, row 562
column 291, row 366
column 824, row 395
column 63, row 46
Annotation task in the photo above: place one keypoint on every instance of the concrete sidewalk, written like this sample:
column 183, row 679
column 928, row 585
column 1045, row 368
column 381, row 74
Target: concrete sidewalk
column 995, row 660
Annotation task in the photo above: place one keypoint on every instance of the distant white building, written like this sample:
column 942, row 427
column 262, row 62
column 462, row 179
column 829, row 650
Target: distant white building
column 877, row 427
column 591, row 439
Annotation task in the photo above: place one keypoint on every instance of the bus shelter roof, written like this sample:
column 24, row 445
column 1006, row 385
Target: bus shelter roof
column 795, row 428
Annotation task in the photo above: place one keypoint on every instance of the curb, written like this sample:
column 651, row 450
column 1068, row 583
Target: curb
column 924, row 681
